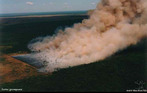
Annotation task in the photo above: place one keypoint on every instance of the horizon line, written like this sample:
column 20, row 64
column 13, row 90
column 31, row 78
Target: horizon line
column 46, row 12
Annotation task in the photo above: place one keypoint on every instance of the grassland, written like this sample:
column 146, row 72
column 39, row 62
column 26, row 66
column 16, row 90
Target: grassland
column 119, row 72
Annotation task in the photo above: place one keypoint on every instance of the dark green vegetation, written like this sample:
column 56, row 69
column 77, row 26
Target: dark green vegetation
column 17, row 32
column 119, row 72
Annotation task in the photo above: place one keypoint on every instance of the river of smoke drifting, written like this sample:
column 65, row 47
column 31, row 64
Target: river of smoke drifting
column 112, row 26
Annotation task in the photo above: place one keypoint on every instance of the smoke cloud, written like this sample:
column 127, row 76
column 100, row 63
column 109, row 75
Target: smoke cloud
column 112, row 26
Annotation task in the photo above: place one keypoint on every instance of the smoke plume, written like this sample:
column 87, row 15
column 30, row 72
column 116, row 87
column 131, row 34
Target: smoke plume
column 112, row 26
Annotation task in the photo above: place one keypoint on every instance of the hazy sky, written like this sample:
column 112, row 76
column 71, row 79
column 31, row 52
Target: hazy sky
column 24, row 6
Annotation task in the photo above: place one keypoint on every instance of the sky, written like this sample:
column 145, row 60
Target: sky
column 29, row 6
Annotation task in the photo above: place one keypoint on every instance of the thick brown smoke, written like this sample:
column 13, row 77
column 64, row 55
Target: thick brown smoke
column 112, row 26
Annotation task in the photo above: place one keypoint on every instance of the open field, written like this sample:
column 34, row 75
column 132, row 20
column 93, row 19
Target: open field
column 12, row 69
column 119, row 72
